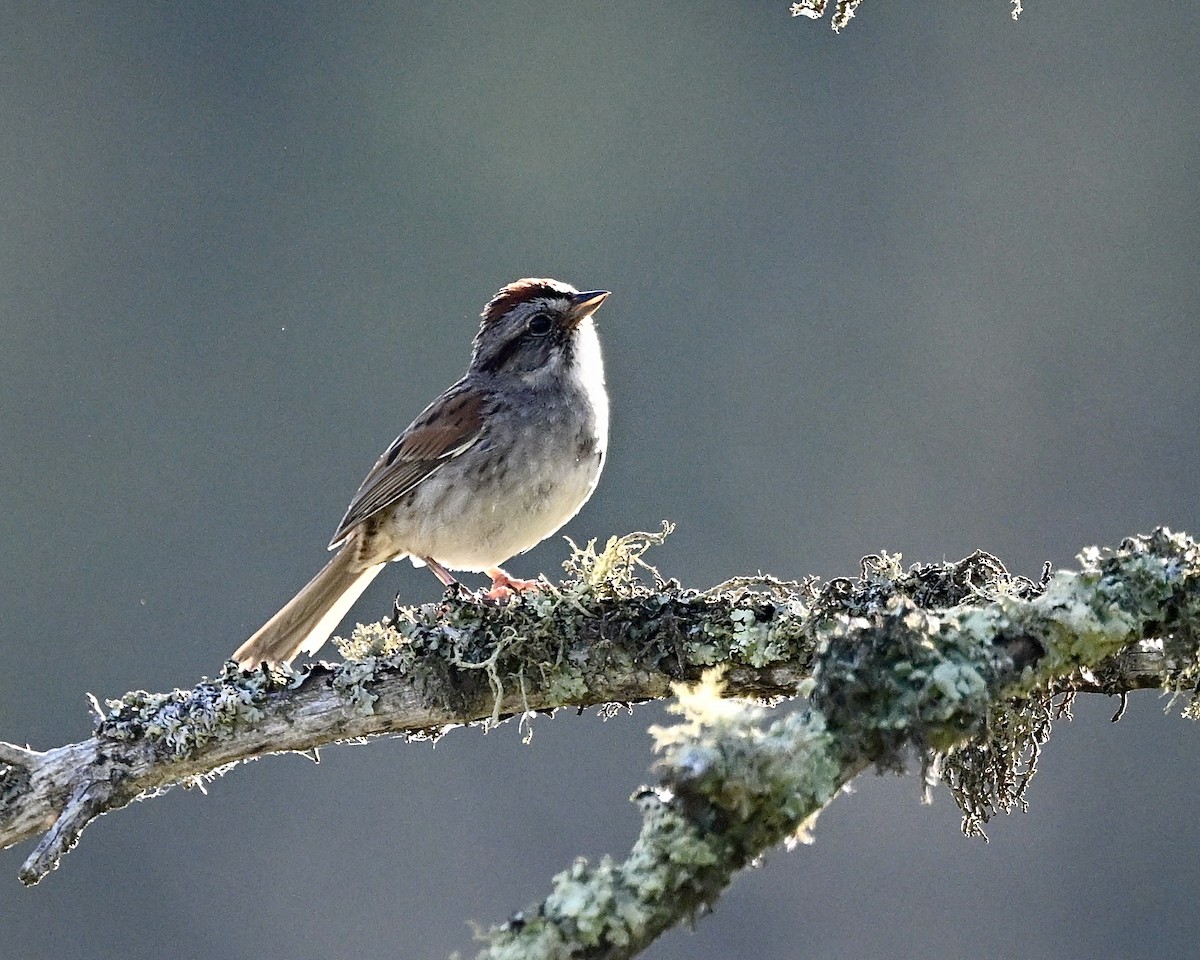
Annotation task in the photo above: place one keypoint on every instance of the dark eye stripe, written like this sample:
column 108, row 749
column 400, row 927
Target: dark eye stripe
column 501, row 357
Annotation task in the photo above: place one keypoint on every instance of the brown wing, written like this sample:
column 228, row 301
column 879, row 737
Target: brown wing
column 446, row 428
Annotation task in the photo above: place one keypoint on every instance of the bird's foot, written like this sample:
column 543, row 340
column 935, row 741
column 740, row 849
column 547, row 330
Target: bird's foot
column 504, row 587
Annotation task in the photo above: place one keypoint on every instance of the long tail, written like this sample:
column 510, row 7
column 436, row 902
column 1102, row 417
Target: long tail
column 307, row 620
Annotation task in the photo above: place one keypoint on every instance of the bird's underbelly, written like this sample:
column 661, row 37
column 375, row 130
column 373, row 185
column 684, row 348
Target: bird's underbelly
column 476, row 511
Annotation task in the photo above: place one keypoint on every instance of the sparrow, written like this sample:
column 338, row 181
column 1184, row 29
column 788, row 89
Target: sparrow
column 492, row 467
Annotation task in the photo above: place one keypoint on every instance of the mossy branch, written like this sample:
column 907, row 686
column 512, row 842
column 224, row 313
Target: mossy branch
column 900, row 678
column 894, row 659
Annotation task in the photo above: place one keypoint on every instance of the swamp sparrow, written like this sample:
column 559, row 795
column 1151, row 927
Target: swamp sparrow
column 491, row 468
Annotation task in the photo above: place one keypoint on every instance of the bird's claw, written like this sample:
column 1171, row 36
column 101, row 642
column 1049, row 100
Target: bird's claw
column 505, row 588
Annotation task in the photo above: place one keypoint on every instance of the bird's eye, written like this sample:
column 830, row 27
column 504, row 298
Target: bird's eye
column 539, row 325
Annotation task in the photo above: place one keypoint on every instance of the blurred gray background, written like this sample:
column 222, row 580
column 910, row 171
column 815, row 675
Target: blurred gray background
column 927, row 286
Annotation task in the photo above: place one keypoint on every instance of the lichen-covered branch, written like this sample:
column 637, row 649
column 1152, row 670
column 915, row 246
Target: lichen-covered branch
column 904, row 678
column 602, row 637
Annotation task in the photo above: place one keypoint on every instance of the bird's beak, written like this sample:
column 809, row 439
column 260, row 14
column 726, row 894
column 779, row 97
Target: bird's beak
column 583, row 305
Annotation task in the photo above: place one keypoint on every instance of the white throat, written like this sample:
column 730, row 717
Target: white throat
column 590, row 370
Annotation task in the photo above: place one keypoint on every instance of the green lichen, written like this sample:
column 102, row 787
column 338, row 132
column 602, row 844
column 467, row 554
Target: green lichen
column 961, row 664
column 903, row 677
column 766, row 778
column 1080, row 619
column 561, row 639
column 918, row 650
column 761, row 633
column 377, row 640
column 1165, row 574
column 732, row 785
column 613, row 572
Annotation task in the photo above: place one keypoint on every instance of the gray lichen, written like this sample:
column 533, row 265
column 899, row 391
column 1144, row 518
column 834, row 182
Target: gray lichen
column 876, row 636
column 182, row 722
column 1080, row 623
column 890, row 679
column 959, row 665
column 732, row 785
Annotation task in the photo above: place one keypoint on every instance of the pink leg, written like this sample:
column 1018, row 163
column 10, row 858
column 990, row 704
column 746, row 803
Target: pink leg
column 440, row 572
column 504, row 586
